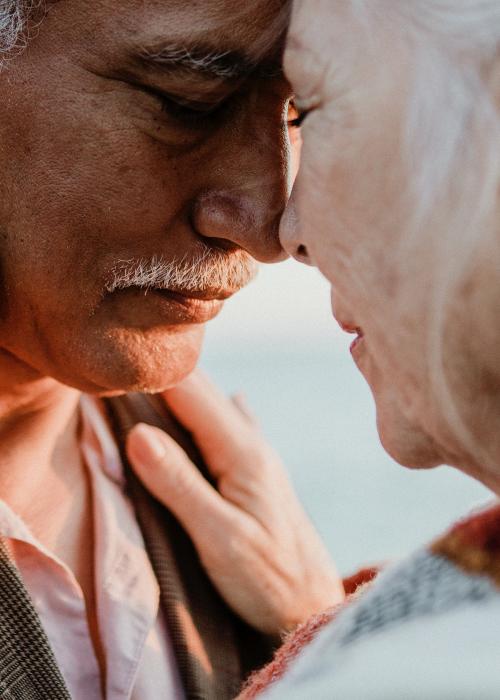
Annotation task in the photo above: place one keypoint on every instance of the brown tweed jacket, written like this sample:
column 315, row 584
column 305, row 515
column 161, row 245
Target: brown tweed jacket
column 215, row 649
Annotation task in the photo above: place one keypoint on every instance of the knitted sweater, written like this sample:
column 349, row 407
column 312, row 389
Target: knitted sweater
column 427, row 628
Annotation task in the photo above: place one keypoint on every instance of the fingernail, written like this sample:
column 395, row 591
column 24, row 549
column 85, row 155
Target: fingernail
column 146, row 444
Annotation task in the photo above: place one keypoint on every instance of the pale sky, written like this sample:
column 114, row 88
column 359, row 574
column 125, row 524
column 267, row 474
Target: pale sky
column 288, row 302
column 277, row 343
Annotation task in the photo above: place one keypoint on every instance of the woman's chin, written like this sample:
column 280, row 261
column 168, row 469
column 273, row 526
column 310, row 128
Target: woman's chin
column 407, row 444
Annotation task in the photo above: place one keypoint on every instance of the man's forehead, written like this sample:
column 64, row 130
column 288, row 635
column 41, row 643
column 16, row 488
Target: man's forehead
column 249, row 31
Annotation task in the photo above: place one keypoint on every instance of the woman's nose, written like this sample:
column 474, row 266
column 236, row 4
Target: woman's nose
column 290, row 234
column 234, row 218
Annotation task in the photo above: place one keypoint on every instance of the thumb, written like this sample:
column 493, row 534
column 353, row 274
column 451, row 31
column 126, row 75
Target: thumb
column 168, row 473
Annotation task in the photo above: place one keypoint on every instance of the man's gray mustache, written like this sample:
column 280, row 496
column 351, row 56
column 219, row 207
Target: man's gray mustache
column 207, row 270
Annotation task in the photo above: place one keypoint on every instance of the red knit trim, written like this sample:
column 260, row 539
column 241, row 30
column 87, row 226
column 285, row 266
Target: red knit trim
column 302, row 636
column 474, row 544
column 480, row 530
column 361, row 578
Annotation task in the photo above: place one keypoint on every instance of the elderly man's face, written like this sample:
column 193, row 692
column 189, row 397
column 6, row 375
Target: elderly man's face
column 143, row 144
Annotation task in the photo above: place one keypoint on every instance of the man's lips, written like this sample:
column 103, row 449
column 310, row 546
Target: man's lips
column 192, row 306
column 147, row 307
column 202, row 295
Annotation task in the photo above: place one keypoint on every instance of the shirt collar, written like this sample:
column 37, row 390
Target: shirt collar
column 97, row 440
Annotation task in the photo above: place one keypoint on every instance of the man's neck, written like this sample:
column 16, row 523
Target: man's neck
column 41, row 474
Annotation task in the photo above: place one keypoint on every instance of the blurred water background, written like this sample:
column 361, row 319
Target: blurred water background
column 277, row 343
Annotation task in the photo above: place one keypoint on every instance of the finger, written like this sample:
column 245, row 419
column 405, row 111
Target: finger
column 173, row 479
column 223, row 435
column 240, row 401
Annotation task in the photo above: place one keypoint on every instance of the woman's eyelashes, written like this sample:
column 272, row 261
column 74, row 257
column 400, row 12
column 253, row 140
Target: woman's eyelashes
column 299, row 115
column 297, row 122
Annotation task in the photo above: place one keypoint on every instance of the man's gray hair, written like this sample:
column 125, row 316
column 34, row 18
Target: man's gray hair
column 12, row 20
column 14, row 15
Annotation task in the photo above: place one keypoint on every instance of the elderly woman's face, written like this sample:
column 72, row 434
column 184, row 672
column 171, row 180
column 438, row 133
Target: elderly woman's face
column 351, row 88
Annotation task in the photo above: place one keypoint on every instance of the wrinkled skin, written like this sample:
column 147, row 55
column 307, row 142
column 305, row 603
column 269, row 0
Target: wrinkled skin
column 349, row 198
column 96, row 170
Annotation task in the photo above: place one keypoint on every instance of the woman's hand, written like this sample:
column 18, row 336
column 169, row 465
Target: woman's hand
column 252, row 535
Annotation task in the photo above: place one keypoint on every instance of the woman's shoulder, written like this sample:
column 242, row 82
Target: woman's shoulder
column 453, row 653
column 428, row 625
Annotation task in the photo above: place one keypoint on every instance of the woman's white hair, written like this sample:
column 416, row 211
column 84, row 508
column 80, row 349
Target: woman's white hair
column 458, row 181
column 451, row 150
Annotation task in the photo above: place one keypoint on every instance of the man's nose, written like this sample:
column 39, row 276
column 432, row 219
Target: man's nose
column 235, row 218
column 241, row 201
column 290, row 234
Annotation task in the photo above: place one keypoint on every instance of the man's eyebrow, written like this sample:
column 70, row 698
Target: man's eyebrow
column 202, row 59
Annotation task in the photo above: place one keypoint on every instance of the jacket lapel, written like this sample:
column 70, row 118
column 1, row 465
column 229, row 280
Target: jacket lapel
column 28, row 669
column 215, row 650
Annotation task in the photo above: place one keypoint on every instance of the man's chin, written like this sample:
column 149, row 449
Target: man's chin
column 124, row 362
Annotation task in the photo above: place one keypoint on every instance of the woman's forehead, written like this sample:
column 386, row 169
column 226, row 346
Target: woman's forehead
column 311, row 41
column 332, row 45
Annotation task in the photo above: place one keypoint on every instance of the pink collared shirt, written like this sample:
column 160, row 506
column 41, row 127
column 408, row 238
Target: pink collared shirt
column 139, row 656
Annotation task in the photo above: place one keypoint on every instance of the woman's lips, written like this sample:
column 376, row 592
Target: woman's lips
column 352, row 329
column 356, row 343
